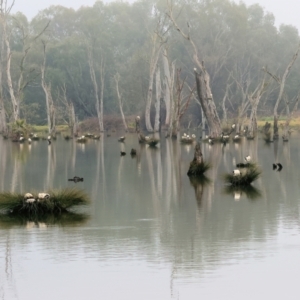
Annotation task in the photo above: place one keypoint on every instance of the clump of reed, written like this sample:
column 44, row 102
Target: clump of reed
column 244, row 178
column 198, row 169
column 58, row 202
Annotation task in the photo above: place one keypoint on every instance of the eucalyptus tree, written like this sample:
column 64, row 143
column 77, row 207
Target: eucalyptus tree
column 4, row 14
column 19, row 42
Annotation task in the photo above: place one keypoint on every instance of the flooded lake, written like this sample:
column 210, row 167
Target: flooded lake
column 149, row 232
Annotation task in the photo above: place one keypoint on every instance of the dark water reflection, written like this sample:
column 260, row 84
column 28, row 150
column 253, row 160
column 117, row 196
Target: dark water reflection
column 153, row 233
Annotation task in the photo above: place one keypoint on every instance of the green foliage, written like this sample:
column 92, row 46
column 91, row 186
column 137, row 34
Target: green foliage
column 20, row 127
column 234, row 41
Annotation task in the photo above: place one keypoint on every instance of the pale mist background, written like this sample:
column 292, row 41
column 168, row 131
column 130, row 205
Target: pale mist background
column 285, row 11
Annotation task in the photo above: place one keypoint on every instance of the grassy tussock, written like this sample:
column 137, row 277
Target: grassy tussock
column 245, row 178
column 59, row 202
column 198, row 169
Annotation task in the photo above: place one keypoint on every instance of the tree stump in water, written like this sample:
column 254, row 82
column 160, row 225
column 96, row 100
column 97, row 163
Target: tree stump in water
column 137, row 124
column 197, row 165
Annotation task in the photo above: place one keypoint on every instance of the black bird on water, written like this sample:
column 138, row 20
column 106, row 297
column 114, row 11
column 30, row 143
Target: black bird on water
column 76, row 179
column 133, row 152
column 123, row 153
column 278, row 167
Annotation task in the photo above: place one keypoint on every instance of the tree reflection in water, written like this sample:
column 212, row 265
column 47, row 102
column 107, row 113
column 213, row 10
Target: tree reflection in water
column 199, row 183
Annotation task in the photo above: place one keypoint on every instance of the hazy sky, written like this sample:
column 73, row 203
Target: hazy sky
column 285, row 11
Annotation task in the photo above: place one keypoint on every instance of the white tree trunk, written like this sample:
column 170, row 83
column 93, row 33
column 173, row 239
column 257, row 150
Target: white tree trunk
column 3, row 123
column 156, row 49
column 49, row 99
column 168, row 89
column 117, row 78
column 14, row 101
column 203, row 83
column 98, row 99
column 157, row 102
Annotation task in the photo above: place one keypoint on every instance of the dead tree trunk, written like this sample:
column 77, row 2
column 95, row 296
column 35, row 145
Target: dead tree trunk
column 281, row 83
column 203, row 83
column 181, row 103
column 49, row 100
column 117, row 78
column 289, row 116
column 209, row 109
column 225, row 97
column 156, row 49
column 14, row 101
column 16, row 92
column 3, row 123
column 157, row 101
column 137, row 124
column 254, row 99
column 98, row 94
column 168, row 85
column 72, row 123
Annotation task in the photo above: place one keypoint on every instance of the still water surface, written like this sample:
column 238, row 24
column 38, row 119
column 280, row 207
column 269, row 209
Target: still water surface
column 151, row 233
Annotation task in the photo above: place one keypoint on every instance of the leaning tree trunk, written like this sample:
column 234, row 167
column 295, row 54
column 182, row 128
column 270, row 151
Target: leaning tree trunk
column 207, row 104
column 202, row 81
column 254, row 100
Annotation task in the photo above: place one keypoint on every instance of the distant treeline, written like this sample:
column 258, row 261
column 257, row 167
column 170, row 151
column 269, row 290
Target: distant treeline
column 112, row 45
